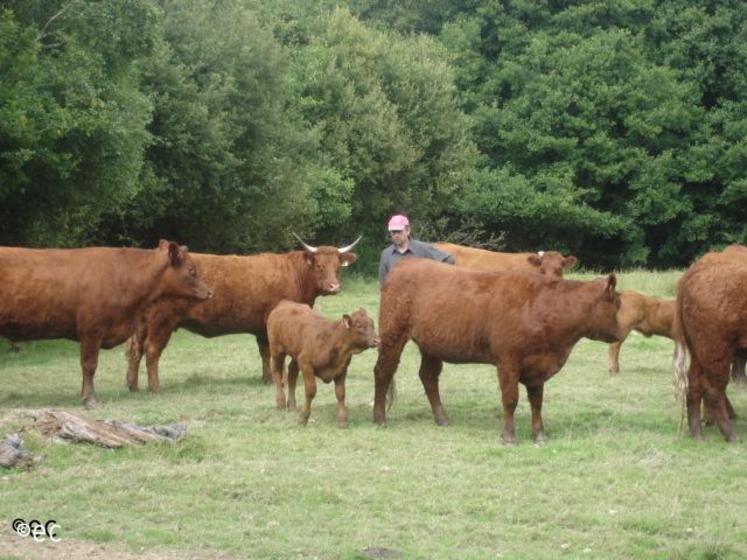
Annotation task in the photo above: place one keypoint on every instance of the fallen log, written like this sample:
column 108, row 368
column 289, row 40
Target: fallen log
column 66, row 426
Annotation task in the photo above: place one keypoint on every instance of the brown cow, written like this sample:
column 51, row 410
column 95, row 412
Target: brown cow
column 91, row 295
column 550, row 263
column 246, row 289
column 651, row 316
column 647, row 315
column 524, row 323
column 319, row 348
column 712, row 316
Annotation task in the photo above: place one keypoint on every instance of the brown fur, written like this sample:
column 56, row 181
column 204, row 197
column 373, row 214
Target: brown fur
column 319, row 348
column 525, row 324
column 712, row 316
column 246, row 289
column 92, row 295
column 550, row 263
column 645, row 314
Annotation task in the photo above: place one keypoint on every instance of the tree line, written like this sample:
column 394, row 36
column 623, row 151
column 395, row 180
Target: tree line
column 612, row 129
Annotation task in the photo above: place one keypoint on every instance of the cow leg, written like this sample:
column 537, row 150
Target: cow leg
column 154, row 345
column 134, row 350
column 264, row 351
column 535, row 394
column 737, row 368
column 309, row 385
column 716, row 402
column 89, row 359
column 277, row 376
column 430, row 370
column 508, row 379
column 390, row 350
column 614, row 357
column 694, row 395
column 292, row 378
column 342, row 410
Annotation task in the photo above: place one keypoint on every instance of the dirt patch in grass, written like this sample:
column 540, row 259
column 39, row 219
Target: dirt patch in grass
column 14, row 546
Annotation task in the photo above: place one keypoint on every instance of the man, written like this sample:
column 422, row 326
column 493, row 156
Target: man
column 403, row 247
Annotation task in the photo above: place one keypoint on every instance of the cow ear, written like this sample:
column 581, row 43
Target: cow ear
column 184, row 248
column 163, row 244
column 346, row 259
column 175, row 254
column 534, row 260
column 569, row 262
column 347, row 321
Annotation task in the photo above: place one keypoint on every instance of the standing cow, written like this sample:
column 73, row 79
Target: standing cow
column 524, row 324
column 91, row 295
column 712, row 316
column 550, row 263
column 246, row 289
column 320, row 348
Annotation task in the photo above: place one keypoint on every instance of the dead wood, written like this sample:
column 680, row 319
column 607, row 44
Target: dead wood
column 66, row 426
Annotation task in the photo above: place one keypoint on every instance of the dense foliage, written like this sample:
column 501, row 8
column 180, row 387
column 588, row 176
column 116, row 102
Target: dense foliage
column 616, row 130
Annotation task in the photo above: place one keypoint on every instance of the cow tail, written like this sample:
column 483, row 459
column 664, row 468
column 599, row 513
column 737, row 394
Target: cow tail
column 679, row 359
column 391, row 394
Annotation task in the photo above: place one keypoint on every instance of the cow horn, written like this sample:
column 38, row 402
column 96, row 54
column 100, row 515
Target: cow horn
column 349, row 247
column 306, row 246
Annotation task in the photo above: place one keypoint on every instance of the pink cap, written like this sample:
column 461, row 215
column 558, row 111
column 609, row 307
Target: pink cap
column 398, row 222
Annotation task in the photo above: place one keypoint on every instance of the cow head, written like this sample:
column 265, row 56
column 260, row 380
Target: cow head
column 603, row 315
column 361, row 330
column 181, row 278
column 324, row 262
column 551, row 263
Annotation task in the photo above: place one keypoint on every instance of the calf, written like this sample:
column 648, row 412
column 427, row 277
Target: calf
column 550, row 263
column 319, row 348
column 647, row 315
column 525, row 324
column 712, row 317
column 92, row 295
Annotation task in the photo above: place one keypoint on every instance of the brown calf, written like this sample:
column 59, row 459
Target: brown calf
column 550, row 263
column 91, row 295
column 319, row 348
column 712, row 316
column 647, row 315
column 246, row 289
column 525, row 324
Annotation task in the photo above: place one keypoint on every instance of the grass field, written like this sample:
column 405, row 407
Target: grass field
column 616, row 480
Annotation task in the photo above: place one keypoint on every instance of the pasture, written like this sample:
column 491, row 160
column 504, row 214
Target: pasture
column 616, row 479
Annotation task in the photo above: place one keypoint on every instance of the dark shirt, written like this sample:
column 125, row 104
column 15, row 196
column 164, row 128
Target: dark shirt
column 391, row 256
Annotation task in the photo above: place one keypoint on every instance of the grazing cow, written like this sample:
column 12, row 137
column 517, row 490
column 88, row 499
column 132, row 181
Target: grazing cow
column 712, row 317
column 91, row 295
column 550, row 263
column 246, row 289
column 319, row 348
column 524, row 323
column 647, row 315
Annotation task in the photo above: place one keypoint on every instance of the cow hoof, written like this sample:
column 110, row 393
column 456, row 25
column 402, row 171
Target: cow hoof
column 133, row 388
column 291, row 405
column 442, row 422
column 90, row 403
column 540, row 440
column 342, row 424
column 508, row 440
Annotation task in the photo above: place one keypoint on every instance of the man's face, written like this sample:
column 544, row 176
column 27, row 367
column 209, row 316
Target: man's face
column 400, row 236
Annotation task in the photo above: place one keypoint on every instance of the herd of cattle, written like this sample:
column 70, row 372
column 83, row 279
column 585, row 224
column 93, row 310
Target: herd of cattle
column 512, row 310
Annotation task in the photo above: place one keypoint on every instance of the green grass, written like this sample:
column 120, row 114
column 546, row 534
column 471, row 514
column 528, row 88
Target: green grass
column 616, row 479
